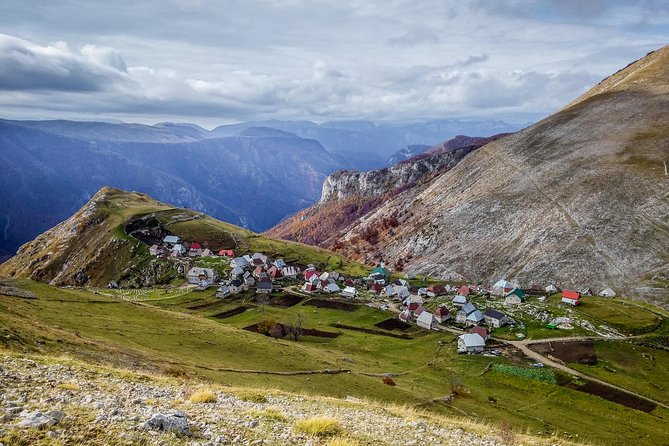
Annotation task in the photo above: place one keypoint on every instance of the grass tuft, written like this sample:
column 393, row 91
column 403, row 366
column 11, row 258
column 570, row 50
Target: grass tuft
column 251, row 396
column 203, row 396
column 69, row 386
column 318, row 426
column 342, row 441
column 270, row 413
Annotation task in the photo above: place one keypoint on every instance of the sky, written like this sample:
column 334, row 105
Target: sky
column 216, row 62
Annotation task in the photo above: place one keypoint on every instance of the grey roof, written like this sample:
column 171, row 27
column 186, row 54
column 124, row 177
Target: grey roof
column 473, row 340
column 171, row 239
column 264, row 285
column 468, row 308
column 475, row 316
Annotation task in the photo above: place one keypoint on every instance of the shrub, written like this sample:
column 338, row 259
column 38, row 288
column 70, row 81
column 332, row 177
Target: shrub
column 276, row 331
column 265, row 325
column 389, row 380
column 318, row 426
column 175, row 372
column 203, row 396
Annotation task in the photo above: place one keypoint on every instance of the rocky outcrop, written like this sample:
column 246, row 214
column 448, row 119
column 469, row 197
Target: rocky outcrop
column 348, row 196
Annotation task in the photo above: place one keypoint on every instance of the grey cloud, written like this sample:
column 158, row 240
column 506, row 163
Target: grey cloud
column 26, row 66
column 414, row 38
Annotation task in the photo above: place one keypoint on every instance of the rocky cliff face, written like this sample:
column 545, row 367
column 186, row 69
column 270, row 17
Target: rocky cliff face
column 349, row 195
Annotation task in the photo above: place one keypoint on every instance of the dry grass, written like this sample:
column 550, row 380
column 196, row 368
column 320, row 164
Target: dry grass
column 318, row 426
column 251, row 396
column 342, row 441
column 203, row 396
column 270, row 413
column 69, row 386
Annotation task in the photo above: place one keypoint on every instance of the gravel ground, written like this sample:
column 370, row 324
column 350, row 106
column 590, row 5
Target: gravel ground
column 70, row 404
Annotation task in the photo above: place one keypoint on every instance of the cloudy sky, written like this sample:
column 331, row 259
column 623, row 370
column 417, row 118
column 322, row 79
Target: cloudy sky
column 213, row 62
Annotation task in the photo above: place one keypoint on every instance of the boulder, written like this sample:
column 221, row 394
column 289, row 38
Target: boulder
column 38, row 419
column 176, row 422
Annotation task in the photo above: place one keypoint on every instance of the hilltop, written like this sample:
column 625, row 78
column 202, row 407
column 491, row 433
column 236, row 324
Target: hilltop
column 93, row 246
column 580, row 198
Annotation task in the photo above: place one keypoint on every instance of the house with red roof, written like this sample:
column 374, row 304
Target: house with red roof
column 275, row 273
column 571, row 297
column 482, row 331
column 226, row 253
column 442, row 314
column 464, row 291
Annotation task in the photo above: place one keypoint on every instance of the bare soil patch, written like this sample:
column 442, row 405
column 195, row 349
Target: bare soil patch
column 230, row 313
column 372, row 331
column 207, row 305
column 305, row 331
column 582, row 352
column 393, row 323
column 614, row 395
column 333, row 304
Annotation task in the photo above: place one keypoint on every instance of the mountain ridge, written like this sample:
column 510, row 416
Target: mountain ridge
column 579, row 199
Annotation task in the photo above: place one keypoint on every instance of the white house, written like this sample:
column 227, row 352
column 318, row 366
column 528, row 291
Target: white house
column 442, row 314
column 178, row 250
column 202, row 277
column 607, row 292
column 290, row 271
column 426, row 320
column 350, row 291
column 331, row 288
column 171, row 240
column 223, row 291
column 502, row 287
column 474, row 318
column 470, row 343
column 459, row 300
column 240, row 262
column 155, row 250
column 494, row 318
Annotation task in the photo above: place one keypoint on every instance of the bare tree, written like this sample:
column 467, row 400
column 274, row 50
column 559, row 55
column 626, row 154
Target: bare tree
column 294, row 327
column 262, row 300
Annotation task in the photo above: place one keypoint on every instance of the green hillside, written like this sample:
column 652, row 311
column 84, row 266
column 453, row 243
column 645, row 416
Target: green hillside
column 92, row 247
column 188, row 335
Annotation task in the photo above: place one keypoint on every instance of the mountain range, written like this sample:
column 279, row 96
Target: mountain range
column 577, row 199
column 244, row 174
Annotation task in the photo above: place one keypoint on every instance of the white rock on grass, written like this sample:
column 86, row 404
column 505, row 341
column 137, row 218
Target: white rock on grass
column 176, row 422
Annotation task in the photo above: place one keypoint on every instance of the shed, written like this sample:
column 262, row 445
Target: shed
column 607, row 292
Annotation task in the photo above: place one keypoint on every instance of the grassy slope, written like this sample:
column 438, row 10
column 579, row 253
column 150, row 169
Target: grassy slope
column 108, row 330
column 103, row 250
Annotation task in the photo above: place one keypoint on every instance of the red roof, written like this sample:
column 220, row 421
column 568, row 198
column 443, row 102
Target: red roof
column 464, row 291
column 571, row 295
column 309, row 287
column 413, row 306
column 419, row 310
column 226, row 253
column 275, row 272
column 308, row 274
column 441, row 311
column 195, row 246
column 482, row 331
column 376, row 288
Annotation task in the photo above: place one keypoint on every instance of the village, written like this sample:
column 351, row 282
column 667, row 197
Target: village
column 474, row 312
